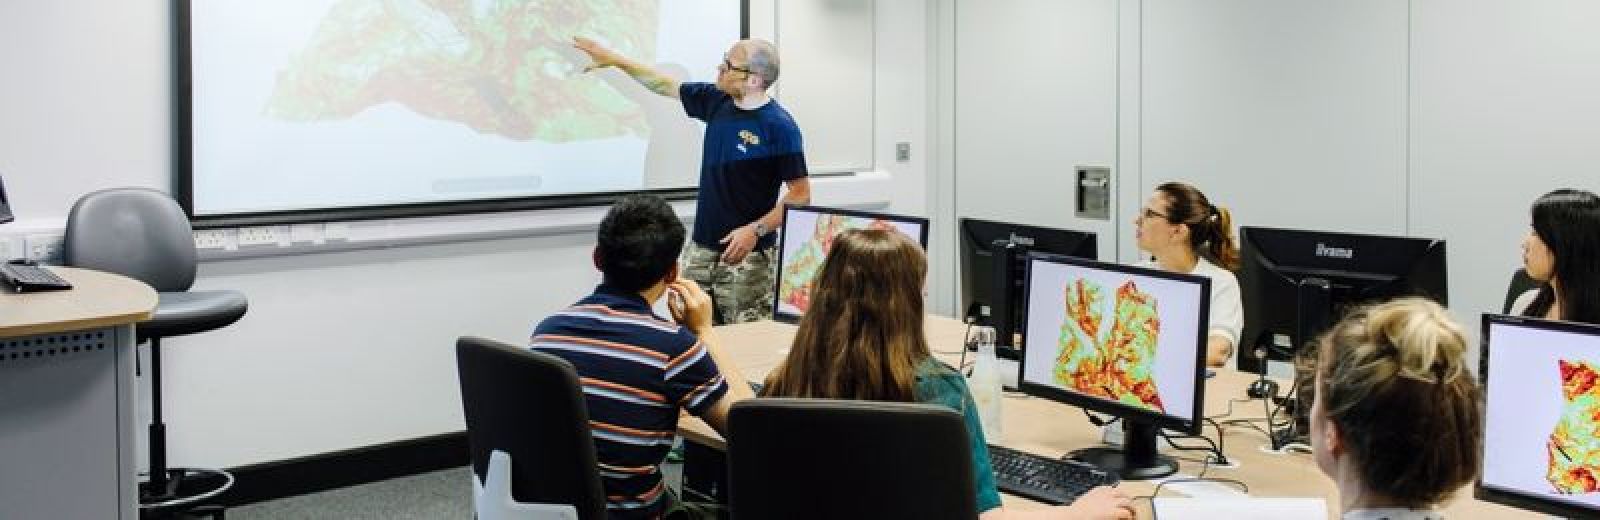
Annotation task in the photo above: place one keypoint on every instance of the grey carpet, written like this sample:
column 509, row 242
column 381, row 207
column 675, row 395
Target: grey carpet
column 430, row 496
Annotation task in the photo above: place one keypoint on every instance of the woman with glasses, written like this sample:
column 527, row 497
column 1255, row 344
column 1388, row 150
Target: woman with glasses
column 1185, row 233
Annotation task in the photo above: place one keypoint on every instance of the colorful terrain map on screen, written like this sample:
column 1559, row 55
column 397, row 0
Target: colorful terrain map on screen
column 1574, row 446
column 500, row 67
column 1114, row 358
column 802, row 268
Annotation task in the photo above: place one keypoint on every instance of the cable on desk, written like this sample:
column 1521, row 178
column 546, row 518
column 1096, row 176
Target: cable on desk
column 966, row 343
column 1156, row 513
column 1214, row 447
column 1231, row 402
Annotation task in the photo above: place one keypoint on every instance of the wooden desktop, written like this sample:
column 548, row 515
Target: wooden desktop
column 1045, row 427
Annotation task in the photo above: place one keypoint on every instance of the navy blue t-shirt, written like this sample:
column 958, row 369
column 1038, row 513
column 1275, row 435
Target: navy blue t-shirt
column 748, row 155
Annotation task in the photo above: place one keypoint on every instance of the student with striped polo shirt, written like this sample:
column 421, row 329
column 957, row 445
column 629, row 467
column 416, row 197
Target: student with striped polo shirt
column 638, row 369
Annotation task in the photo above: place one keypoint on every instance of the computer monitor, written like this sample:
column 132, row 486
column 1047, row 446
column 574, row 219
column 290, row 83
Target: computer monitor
column 1295, row 284
column 5, row 205
column 1120, row 340
column 994, row 259
column 1541, row 432
column 805, row 240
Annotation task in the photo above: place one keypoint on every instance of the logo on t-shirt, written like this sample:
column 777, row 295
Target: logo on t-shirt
column 747, row 137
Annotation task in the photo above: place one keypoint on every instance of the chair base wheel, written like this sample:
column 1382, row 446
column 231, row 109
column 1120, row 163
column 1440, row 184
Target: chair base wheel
column 183, row 496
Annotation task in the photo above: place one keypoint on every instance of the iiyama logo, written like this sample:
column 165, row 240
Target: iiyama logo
column 1021, row 241
column 1335, row 252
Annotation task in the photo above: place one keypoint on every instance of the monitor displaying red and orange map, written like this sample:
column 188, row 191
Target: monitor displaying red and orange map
column 1114, row 336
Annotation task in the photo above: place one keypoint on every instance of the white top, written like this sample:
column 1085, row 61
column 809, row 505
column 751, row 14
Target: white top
column 1227, row 313
column 1520, row 305
column 1392, row 513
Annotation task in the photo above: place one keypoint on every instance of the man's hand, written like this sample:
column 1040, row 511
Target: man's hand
column 738, row 244
column 599, row 56
column 689, row 305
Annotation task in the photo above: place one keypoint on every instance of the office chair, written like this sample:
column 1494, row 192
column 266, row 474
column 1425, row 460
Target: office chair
column 1520, row 283
column 825, row 458
column 143, row 234
column 528, row 427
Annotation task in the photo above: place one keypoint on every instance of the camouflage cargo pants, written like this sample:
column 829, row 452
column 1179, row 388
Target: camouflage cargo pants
column 741, row 292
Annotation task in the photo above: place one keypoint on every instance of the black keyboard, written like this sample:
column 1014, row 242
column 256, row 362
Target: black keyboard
column 1048, row 480
column 30, row 278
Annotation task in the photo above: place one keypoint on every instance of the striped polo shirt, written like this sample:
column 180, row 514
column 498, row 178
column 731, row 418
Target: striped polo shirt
column 637, row 370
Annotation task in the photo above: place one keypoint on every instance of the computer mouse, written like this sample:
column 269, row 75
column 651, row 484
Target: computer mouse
column 1262, row 388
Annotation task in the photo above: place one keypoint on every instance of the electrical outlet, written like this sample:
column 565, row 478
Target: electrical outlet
column 902, row 152
column 43, row 248
column 263, row 236
column 211, row 239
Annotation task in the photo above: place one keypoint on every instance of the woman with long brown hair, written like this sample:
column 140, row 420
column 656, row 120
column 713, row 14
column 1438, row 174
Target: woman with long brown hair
column 862, row 338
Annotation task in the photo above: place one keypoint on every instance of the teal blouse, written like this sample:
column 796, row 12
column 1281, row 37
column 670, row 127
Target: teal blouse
column 939, row 384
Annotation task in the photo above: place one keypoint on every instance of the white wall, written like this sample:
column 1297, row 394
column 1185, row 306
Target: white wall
column 1505, row 110
column 1425, row 118
column 339, row 350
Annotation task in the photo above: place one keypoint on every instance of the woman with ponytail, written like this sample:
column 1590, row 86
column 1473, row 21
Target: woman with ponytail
column 1395, row 420
column 1186, row 233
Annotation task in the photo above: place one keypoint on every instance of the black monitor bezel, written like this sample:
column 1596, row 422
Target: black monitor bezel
column 1189, row 425
column 5, row 205
column 1090, row 240
column 1256, row 268
column 1507, row 497
column 783, row 230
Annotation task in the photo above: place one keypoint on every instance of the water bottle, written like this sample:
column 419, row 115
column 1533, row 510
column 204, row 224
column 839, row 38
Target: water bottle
column 985, row 384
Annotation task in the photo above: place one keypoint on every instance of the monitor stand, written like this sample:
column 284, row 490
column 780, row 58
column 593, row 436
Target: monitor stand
column 1137, row 459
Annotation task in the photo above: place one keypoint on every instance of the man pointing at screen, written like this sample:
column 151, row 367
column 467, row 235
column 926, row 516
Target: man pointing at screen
column 752, row 146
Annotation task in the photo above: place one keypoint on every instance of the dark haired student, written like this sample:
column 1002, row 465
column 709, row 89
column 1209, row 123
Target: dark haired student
column 638, row 369
column 1562, row 253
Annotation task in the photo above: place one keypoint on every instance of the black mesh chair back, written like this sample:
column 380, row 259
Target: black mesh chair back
column 824, row 458
column 529, row 405
column 1520, row 283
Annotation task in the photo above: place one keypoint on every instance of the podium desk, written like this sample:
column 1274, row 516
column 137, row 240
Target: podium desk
column 67, row 398
column 1049, row 428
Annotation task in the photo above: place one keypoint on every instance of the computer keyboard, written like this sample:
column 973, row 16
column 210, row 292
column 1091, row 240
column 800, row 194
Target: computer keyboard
column 1045, row 479
column 30, row 278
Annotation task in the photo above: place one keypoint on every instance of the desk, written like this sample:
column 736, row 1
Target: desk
column 66, row 398
column 1047, row 428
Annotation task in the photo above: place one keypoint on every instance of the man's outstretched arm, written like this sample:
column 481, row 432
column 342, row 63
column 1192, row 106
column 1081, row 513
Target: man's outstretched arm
column 602, row 57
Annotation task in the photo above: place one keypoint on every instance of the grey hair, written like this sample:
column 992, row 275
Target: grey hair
column 763, row 60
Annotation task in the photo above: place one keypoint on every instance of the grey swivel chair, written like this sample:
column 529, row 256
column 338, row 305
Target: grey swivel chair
column 143, row 234
column 825, row 458
column 525, row 409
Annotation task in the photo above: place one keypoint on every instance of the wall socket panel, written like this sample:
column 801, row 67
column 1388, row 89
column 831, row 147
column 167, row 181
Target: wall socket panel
column 263, row 236
column 215, row 239
column 44, row 248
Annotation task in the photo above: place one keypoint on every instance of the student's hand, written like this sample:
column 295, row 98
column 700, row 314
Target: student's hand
column 689, row 305
column 737, row 244
column 1102, row 503
column 599, row 56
